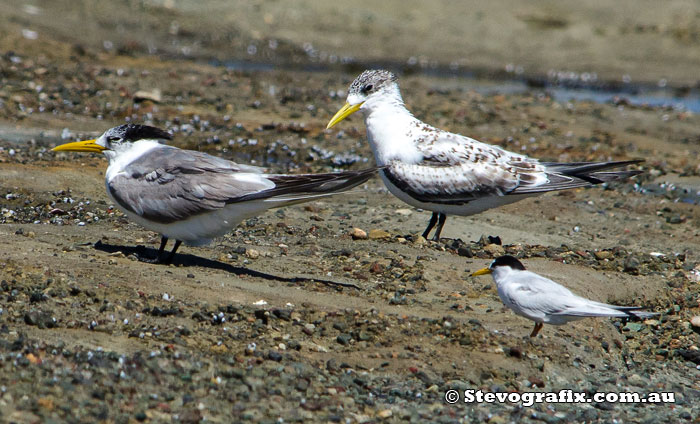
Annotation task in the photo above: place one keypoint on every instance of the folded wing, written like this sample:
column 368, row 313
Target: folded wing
column 457, row 169
column 168, row 184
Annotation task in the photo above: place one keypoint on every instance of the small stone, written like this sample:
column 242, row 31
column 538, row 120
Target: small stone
column 695, row 321
column 219, row 349
column 358, row 234
column 515, row 352
column 252, row 254
column 419, row 240
column 631, row 265
column 636, row 380
column 633, row 327
column 385, row 413
column 40, row 319
column 536, row 381
column 403, row 212
column 465, row 251
column 378, row 234
column 376, row 268
column 273, row 355
column 486, row 240
column 343, row 339
column 675, row 219
column 494, row 250
column 602, row 254
column 332, row 365
column 153, row 95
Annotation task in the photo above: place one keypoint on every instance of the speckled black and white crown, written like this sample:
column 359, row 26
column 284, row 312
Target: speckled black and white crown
column 371, row 80
column 134, row 132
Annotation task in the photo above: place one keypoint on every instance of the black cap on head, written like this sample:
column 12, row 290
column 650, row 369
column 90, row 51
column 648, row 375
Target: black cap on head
column 507, row 260
column 134, row 132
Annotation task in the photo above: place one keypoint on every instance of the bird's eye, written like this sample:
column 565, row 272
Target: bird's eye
column 367, row 88
column 112, row 138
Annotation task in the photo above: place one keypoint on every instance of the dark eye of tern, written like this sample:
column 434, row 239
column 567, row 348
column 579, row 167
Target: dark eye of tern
column 112, row 138
column 367, row 88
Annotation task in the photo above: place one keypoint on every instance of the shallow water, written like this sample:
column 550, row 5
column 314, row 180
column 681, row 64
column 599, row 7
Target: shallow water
column 486, row 82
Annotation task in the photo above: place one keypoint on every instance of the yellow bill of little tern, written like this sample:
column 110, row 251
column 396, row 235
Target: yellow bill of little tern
column 544, row 301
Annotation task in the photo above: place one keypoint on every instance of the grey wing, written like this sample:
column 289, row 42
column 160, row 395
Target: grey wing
column 455, row 169
column 539, row 295
column 583, row 307
column 168, row 184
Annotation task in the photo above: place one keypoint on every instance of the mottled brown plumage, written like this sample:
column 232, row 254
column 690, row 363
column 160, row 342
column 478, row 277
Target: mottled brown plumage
column 448, row 173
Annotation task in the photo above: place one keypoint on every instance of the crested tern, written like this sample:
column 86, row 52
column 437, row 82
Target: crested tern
column 447, row 173
column 191, row 196
column 544, row 301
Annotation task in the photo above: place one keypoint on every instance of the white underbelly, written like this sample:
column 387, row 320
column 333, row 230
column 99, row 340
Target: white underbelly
column 200, row 229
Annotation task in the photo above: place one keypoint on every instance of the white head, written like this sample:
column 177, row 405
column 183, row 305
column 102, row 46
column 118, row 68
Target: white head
column 117, row 139
column 372, row 89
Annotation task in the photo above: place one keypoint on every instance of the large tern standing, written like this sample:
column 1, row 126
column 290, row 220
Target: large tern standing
column 191, row 196
column 544, row 301
column 447, row 173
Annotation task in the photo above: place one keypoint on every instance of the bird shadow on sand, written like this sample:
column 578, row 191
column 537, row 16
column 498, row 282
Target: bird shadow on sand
column 187, row 260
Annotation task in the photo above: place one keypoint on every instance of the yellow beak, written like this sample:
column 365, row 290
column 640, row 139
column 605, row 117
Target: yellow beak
column 482, row 271
column 80, row 146
column 343, row 113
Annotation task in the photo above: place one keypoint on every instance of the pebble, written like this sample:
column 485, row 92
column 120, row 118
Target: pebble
column 252, row 254
column 536, row 381
column 343, row 339
column 602, row 254
column 419, row 240
column 385, row 413
column 152, row 95
column 358, row 234
column 378, row 234
column 633, row 327
column 41, row 319
column 495, row 250
column 695, row 321
column 631, row 265
column 465, row 252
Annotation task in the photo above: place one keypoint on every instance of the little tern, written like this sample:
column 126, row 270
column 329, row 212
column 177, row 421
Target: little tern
column 191, row 196
column 447, row 173
column 544, row 301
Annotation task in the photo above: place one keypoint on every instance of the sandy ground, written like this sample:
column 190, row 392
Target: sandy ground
column 288, row 316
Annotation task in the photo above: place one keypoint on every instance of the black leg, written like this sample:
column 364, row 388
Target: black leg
column 163, row 242
column 159, row 256
column 171, row 256
column 441, row 222
column 431, row 224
